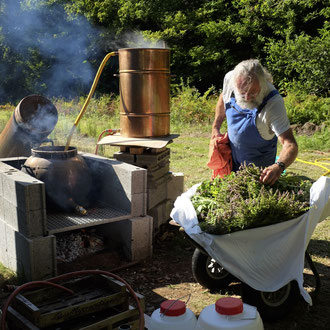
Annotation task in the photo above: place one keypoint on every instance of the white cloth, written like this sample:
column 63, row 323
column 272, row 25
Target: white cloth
column 265, row 258
column 272, row 119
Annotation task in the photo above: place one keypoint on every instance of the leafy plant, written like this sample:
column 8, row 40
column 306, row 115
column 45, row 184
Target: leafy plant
column 240, row 201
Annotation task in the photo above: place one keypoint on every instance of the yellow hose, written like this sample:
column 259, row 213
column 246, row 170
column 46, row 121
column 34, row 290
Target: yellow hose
column 91, row 92
column 317, row 163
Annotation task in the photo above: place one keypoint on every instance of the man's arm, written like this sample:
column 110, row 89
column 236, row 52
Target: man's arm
column 287, row 156
column 220, row 115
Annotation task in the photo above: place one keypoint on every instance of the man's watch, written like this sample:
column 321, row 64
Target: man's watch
column 281, row 165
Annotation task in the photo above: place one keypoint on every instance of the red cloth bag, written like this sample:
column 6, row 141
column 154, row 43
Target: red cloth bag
column 220, row 159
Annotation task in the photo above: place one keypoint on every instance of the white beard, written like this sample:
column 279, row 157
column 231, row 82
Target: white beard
column 252, row 104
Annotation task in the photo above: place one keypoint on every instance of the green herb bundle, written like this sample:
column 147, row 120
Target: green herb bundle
column 240, row 201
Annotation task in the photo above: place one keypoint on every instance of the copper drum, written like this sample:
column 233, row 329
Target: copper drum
column 65, row 174
column 32, row 121
column 144, row 92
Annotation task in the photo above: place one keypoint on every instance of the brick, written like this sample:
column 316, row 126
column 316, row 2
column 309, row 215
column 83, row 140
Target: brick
column 30, row 223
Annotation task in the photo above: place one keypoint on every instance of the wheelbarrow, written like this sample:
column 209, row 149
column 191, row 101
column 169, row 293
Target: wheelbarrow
column 215, row 268
column 209, row 273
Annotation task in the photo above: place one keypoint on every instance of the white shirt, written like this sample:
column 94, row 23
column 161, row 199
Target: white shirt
column 272, row 119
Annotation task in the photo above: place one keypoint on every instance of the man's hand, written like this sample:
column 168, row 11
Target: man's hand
column 270, row 174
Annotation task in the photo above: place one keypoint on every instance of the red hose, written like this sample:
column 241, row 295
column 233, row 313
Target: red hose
column 110, row 132
column 69, row 275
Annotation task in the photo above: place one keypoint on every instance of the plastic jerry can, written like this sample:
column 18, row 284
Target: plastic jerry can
column 172, row 315
column 229, row 313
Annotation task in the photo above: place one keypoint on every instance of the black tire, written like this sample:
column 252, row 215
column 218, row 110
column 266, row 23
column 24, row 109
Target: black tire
column 208, row 273
column 272, row 305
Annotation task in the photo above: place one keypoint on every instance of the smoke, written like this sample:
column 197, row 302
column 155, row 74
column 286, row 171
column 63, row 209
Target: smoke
column 48, row 34
column 137, row 39
column 39, row 33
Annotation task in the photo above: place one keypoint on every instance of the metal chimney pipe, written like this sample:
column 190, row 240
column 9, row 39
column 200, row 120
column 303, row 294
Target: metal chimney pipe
column 32, row 121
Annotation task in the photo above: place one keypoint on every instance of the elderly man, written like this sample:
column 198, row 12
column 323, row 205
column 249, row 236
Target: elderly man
column 256, row 118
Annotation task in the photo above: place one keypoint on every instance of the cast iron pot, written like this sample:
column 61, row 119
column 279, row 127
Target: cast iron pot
column 65, row 174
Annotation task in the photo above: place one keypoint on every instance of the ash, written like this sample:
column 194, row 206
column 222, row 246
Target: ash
column 70, row 246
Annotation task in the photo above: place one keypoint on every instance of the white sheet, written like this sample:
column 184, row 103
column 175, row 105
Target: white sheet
column 265, row 258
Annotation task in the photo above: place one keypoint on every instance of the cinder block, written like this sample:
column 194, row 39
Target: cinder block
column 157, row 194
column 30, row 223
column 153, row 159
column 140, row 246
column 158, row 172
column 161, row 213
column 33, row 259
column 16, row 162
column 175, row 186
column 134, row 236
column 3, row 244
column 22, row 190
column 125, row 157
column 112, row 173
column 138, row 204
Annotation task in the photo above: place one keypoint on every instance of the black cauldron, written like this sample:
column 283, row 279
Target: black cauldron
column 65, row 174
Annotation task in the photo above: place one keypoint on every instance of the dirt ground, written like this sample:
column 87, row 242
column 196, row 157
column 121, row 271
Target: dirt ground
column 168, row 275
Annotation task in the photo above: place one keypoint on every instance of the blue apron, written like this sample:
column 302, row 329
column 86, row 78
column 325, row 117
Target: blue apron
column 246, row 143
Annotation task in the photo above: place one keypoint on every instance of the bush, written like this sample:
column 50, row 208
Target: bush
column 303, row 62
column 302, row 108
column 188, row 105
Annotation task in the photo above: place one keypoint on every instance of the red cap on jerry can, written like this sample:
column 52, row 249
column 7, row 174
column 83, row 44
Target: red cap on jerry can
column 229, row 306
column 172, row 307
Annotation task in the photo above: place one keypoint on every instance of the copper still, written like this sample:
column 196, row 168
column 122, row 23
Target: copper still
column 144, row 92
column 65, row 174
column 33, row 120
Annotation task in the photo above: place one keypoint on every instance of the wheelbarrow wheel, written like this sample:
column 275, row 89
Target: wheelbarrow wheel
column 209, row 273
column 272, row 305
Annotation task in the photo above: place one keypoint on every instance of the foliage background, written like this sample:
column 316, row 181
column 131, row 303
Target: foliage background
column 54, row 47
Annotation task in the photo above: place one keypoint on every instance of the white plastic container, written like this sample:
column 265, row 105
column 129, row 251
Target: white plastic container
column 229, row 313
column 172, row 315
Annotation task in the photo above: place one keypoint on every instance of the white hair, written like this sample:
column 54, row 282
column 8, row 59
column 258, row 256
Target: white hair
column 249, row 71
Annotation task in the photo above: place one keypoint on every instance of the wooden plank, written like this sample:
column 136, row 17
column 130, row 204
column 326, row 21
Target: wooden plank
column 84, row 308
column 114, row 321
column 18, row 321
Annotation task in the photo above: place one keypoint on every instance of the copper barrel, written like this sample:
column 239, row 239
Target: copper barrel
column 144, row 92
column 32, row 121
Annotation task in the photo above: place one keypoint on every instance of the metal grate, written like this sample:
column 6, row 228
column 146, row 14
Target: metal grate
column 61, row 222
